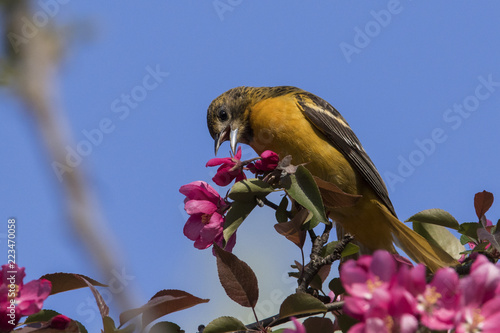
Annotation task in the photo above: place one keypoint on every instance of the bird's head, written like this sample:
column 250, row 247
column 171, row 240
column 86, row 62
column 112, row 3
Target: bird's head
column 227, row 117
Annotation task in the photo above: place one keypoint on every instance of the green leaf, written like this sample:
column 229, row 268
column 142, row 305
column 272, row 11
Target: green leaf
column 244, row 194
column 435, row 216
column 302, row 187
column 346, row 322
column 82, row 328
column 441, row 237
column 44, row 316
column 469, row 229
column 300, row 303
column 336, row 286
column 465, row 239
column 41, row 316
column 248, row 189
column 350, row 249
column 68, row 281
column 109, row 325
column 235, row 217
column 237, row 278
column 165, row 327
column 161, row 304
column 281, row 212
column 224, row 325
column 482, row 202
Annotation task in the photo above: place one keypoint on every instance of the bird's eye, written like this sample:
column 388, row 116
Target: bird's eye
column 222, row 115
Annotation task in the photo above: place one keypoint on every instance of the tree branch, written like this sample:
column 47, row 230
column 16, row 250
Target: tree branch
column 318, row 261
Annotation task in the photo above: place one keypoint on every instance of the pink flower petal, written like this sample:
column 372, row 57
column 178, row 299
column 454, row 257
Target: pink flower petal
column 218, row 161
column 193, row 227
column 299, row 328
column 32, row 295
column 219, row 240
column 223, row 177
column 375, row 325
column 241, row 176
column 60, row 322
column 407, row 324
column 383, row 265
column 213, row 227
column 356, row 307
column 199, row 190
column 354, row 279
column 238, row 154
column 200, row 207
column 202, row 244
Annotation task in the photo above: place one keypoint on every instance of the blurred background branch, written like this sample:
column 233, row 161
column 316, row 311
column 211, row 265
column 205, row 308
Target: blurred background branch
column 28, row 66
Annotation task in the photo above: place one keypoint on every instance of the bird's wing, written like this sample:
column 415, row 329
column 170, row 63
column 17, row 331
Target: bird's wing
column 331, row 123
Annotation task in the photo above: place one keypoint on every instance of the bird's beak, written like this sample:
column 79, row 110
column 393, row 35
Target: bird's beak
column 233, row 139
column 228, row 134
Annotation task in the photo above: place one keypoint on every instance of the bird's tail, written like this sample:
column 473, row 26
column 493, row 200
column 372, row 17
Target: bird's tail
column 416, row 246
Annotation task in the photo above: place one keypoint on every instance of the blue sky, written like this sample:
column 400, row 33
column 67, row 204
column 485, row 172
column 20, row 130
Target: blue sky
column 419, row 83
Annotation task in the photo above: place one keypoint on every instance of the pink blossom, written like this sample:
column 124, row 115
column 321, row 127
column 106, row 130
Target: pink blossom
column 362, row 277
column 230, row 168
column 268, row 162
column 480, row 302
column 388, row 312
column 437, row 302
column 472, row 245
column 60, row 322
column 18, row 299
column 375, row 298
column 299, row 328
column 390, row 298
column 332, row 296
column 206, row 207
column 219, row 240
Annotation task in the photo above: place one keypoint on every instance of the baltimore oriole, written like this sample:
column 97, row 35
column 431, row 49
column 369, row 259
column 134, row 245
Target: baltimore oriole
column 291, row 121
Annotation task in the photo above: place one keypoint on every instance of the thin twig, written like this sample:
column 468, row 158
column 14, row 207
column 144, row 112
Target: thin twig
column 317, row 261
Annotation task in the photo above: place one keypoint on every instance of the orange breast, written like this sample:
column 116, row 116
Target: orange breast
column 279, row 125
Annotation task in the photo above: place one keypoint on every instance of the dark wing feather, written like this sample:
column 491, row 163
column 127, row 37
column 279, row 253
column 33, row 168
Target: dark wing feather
column 329, row 121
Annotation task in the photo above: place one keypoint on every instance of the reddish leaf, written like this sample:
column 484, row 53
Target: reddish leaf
column 68, row 281
column 482, row 202
column 319, row 325
column 334, row 196
column 103, row 308
column 318, row 279
column 292, row 230
column 162, row 303
column 237, row 278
